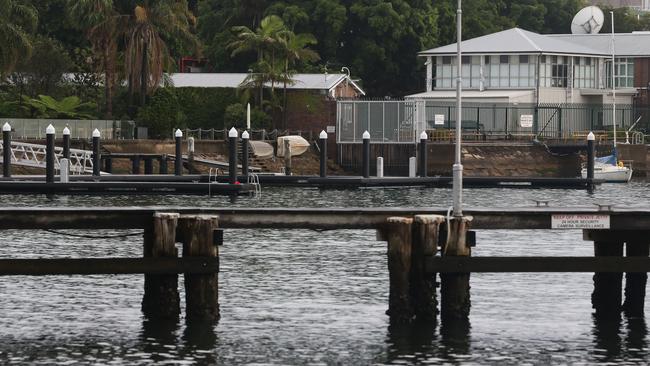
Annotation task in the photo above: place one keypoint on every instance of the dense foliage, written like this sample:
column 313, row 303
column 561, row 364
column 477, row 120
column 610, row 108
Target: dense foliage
column 113, row 53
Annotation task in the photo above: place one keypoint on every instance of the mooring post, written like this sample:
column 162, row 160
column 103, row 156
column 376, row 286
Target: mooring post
column 244, row 154
column 591, row 155
column 635, row 282
column 96, row 153
column 178, row 164
column 607, row 296
column 412, row 166
column 108, row 165
column 287, row 157
column 201, row 290
column 49, row 154
column 6, row 150
column 323, row 153
column 423, row 154
column 380, row 167
column 190, row 154
column 366, row 155
column 66, row 143
column 426, row 230
column 454, row 291
column 398, row 233
column 232, row 155
column 64, row 170
column 135, row 164
column 148, row 165
column 162, row 166
column 161, row 299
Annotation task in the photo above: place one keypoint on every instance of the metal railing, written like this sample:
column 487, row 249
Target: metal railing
column 28, row 128
column 33, row 155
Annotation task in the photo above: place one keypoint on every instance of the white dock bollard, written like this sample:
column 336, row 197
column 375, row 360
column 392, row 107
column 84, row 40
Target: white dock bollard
column 64, row 170
column 380, row 167
column 412, row 166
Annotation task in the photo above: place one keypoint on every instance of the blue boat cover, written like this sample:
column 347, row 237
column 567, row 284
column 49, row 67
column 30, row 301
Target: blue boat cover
column 609, row 159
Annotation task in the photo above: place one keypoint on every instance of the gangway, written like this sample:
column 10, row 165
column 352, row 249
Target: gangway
column 33, row 155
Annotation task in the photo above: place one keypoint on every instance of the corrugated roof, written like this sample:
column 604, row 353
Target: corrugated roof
column 233, row 80
column 627, row 44
column 515, row 40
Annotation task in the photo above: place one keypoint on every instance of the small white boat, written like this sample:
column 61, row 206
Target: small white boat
column 610, row 173
column 298, row 145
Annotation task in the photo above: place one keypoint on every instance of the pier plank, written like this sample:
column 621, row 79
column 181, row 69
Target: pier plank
column 538, row 264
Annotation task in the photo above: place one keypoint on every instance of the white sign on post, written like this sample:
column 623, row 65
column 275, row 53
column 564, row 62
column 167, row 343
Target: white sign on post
column 331, row 129
column 439, row 119
column 579, row 221
column 526, row 120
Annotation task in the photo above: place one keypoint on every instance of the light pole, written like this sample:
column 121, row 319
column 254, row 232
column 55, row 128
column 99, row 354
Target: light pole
column 458, row 167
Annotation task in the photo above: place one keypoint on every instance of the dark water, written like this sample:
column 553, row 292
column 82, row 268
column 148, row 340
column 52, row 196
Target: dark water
column 306, row 297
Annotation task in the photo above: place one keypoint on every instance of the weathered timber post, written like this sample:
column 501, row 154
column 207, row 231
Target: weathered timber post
column 148, row 165
column 49, row 154
column 287, row 157
column 423, row 154
column 96, row 154
column 426, row 229
column 591, row 154
column 6, row 150
column 178, row 164
column 66, row 143
column 244, row 154
column 162, row 166
column 635, row 282
column 365, row 171
column 232, row 155
column 454, row 291
column 135, row 166
column 201, row 290
column 323, row 153
column 607, row 295
column 161, row 298
column 398, row 233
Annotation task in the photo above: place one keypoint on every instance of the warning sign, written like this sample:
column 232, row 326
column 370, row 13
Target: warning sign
column 526, row 120
column 579, row 221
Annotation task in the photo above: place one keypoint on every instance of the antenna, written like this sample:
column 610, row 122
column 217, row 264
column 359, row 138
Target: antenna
column 588, row 20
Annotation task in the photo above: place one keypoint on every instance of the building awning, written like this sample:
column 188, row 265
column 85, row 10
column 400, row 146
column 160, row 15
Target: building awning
column 523, row 96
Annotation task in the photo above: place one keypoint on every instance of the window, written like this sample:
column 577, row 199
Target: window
column 465, row 59
column 523, row 59
column 504, row 59
column 487, row 60
column 624, row 73
column 542, row 59
column 446, row 60
column 559, row 75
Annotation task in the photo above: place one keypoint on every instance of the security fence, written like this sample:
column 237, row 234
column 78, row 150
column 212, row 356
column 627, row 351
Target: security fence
column 25, row 128
column 402, row 121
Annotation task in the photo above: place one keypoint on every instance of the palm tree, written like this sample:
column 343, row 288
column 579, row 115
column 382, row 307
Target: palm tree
column 266, row 40
column 295, row 49
column 16, row 22
column 103, row 25
column 147, row 55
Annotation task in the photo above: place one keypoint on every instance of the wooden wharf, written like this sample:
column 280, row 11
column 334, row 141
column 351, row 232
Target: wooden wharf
column 418, row 248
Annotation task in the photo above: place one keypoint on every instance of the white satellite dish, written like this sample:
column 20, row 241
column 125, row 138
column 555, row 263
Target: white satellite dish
column 589, row 20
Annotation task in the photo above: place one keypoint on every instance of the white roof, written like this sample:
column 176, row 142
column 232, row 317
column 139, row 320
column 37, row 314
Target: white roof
column 233, row 80
column 515, row 40
column 626, row 44
column 492, row 93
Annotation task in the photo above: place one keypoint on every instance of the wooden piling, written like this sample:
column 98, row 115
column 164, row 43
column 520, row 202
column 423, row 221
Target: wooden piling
column 161, row 298
column 135, row 166
column 454, row 290
column 398, row 233
column 635, row 282
column 607, row 295
column 423, row 283
column 196, row 232
column 148, row 165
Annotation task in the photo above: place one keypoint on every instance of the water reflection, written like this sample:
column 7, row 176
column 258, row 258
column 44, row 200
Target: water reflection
column 616, row 338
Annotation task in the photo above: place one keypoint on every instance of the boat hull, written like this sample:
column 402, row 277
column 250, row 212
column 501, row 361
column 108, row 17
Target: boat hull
column 611, row 174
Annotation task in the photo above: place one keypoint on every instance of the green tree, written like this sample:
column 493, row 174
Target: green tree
column 40, row 73
column 17, row 21
column 146, row 54
column 69, row 107
column 296, row 50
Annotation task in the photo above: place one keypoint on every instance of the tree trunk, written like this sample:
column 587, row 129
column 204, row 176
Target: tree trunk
column 109, row 76
column 144, row 77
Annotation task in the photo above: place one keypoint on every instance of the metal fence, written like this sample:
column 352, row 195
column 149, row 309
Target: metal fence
column 403, row 121
column 25, row 128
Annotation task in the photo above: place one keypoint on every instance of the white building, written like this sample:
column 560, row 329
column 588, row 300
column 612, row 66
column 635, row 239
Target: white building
column 518, row 66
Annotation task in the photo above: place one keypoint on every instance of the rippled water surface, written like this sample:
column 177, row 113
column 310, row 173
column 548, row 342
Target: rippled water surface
column 307, row 297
